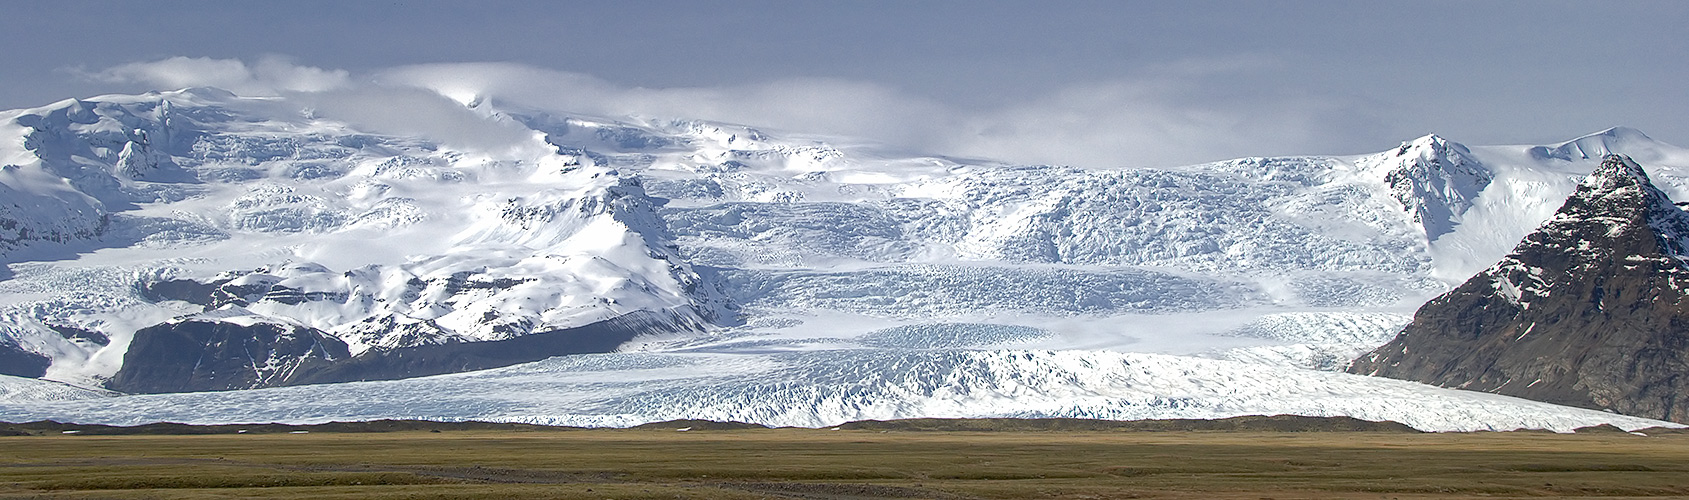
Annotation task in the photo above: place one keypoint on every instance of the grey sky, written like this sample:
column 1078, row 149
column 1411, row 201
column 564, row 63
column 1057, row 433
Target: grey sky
column 1091, row 83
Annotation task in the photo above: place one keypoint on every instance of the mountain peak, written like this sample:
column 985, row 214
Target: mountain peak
column 1584, row 312
column 1620, row 191
column 1616, row 172
column 1433, row 146
column 1434, row 179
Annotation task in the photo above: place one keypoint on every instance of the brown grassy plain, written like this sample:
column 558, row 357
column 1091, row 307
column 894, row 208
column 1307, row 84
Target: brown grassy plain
column 845, row 464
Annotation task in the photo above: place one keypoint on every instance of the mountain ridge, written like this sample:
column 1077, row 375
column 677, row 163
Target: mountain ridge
column 1585, row 311
column 157, row 166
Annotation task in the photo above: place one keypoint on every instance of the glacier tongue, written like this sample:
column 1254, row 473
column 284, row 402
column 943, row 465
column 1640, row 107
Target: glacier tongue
column 19, row 390
column 824, row 388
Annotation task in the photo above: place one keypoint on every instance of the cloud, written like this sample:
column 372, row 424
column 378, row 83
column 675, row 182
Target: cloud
column 331, row 94
column 1177, row 113
column 1153, row 123
column 418, row 112
column 809, row 105
column 270, row 75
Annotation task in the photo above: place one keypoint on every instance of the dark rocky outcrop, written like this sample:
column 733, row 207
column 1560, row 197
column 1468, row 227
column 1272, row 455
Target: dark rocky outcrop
column 436, row 359
column 80, row 335
column 205, row 355
column 18, row 362
column 208, row 355
column 185, row 290
column 1590, row 310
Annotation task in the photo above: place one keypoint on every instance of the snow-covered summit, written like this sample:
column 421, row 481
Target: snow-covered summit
column 1434, row 179
column 1613, row 141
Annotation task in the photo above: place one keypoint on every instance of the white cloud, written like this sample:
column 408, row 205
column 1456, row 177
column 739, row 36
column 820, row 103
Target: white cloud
column 1168, row 118
column 1147, row 123
column 1178, row 113
column 271, row 75
column 418, row 112
column 330, row 94
column 811, row 105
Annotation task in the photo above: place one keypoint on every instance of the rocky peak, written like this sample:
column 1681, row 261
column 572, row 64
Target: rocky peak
column 1590, row 310
column 1619, row 198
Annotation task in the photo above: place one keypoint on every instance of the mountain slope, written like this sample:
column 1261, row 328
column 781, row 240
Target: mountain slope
column 1589, row 310
column 199, row 207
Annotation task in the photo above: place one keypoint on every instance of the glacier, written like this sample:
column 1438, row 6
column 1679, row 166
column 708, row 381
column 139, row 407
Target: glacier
column 820, row 388
column 800, row 280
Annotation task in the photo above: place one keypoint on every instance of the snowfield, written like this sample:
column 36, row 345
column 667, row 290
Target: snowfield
column 812, row 280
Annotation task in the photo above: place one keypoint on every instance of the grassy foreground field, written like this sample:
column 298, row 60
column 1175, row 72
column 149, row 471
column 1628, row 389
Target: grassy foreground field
column 843, row 464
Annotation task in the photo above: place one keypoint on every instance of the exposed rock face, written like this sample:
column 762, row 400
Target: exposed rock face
column 1590, row 310
column 17, row 362
column 202, row 355
column 209, row 355
column 436, row 359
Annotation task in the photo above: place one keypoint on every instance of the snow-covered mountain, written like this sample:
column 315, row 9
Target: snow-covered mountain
column 200, row 207
column 1586, row 311
column 294, row 242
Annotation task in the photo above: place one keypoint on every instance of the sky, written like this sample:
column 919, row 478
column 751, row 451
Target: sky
column 1090, row 83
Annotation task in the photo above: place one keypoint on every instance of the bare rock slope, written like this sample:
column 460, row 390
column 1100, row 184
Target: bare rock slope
column 1590, row 310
